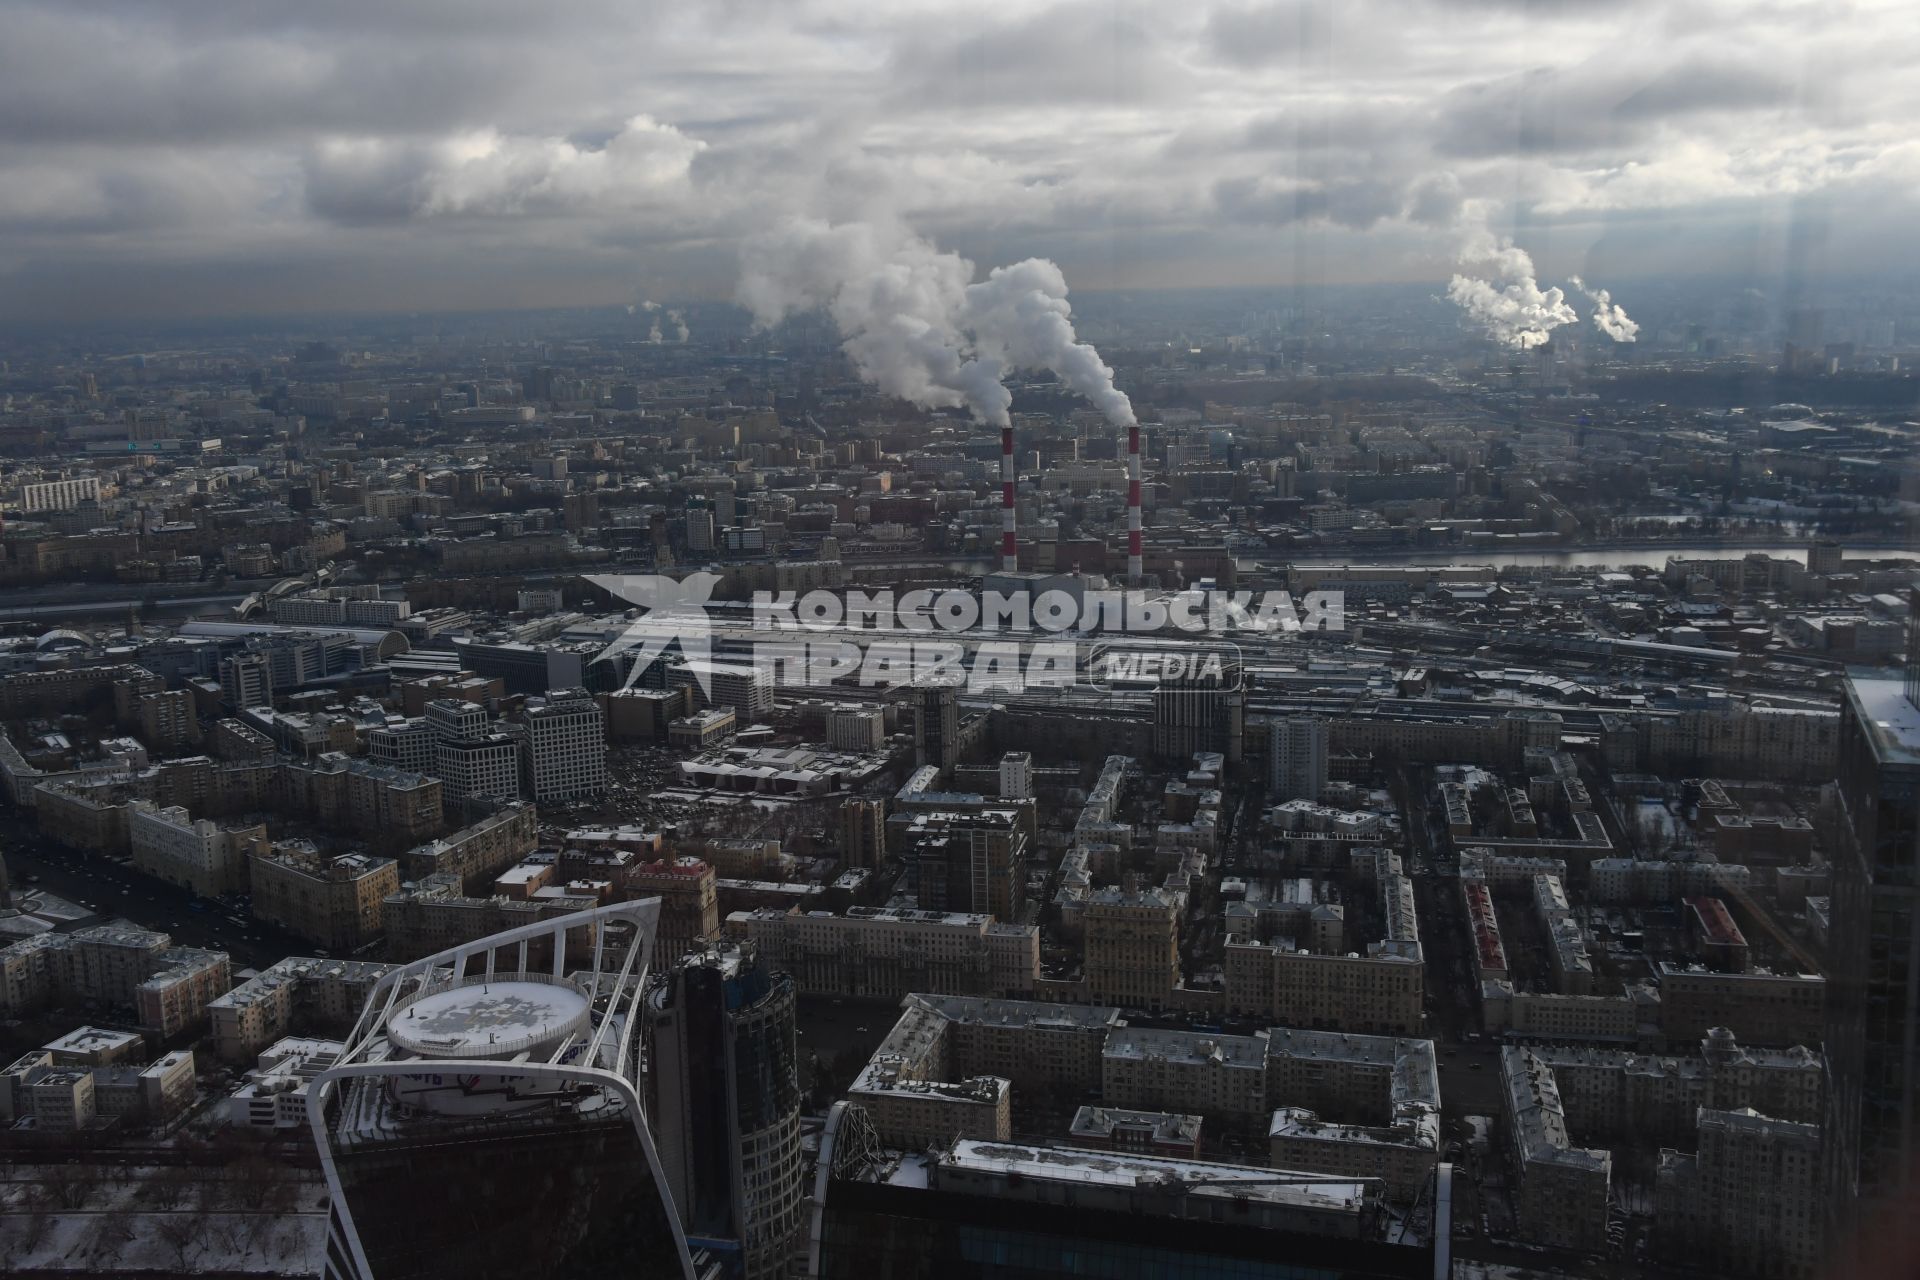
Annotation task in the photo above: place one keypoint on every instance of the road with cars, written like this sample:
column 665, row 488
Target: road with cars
column 110, row 889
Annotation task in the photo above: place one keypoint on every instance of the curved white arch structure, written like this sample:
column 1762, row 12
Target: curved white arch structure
column 502, row 1133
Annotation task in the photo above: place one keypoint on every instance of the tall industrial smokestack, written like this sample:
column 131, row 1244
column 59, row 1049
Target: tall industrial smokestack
column 1009, row 545
column 1135, row 566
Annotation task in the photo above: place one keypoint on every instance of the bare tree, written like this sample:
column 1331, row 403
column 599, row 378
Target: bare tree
column 35, row 1225
column 169, row 1187
column 182, row 1233
column 111, row 1232
column 68, row 1186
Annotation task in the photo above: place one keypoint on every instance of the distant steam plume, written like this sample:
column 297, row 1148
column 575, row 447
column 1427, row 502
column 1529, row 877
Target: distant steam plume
column 914, row 322
column 1609, row 317
column 1501, row 294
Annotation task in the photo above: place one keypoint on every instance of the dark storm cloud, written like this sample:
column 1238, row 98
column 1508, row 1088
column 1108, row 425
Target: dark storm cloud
column 1073, row 53
column 1597, row 107
column 1256, row 35
column 74, row 77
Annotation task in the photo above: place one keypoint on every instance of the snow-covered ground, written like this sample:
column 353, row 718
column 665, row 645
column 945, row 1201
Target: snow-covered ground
column 110, row 1220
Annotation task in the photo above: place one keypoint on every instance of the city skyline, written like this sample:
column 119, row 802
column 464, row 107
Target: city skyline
column 801, row 641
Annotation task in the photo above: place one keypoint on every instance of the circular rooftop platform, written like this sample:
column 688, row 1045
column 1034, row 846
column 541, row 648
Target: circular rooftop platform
column 490, row 1019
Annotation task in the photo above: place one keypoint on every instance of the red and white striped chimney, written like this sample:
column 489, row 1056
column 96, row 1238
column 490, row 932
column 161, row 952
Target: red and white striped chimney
column 1135, row 564
column 1009, row 546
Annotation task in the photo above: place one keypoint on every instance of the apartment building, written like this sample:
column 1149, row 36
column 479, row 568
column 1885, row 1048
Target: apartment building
column 886, row 954
column 1561, row 1190
column 1757, row 1006
column 337, row 902
column 1212, row 1075
column 301, row 994
column 197, row 854
column 689, row 904
column 479, row 851
column 1617, row 1092
column 1353, row 1105
column 949, row 1065
column 167, row 720
column 168, row 988
column 1132, row 946
column 433, row 915
column 1752, row 1197
column 1377, row 994
column 971, row 860
column 59, row 495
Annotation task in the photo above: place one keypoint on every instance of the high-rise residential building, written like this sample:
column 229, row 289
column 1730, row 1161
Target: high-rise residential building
column 689, row 904
column 1873, row 986
column 724, row 1098
column 1750, row 1198
column 1825, row 556
column 167, row 719
column 699, row 529
column 971, row 861
column 1297, row 757
column 1201, row 711
column 1016, row 775
column 863, row 831
column 937, row 727
column 1133, row 947
column 484, row 1119
column 566, row 746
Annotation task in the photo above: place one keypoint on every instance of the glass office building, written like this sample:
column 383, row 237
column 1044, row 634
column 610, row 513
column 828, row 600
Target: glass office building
column 724, row 1099
column 485, row 1118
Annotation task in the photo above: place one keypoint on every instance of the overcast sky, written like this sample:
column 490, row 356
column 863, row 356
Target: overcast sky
column 215, row 156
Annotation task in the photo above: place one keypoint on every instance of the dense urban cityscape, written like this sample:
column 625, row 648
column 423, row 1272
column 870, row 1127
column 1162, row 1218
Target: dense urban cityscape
column 828, row 752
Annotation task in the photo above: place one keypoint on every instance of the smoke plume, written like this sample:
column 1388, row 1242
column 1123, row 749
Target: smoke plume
column 1609, row 317
column 1501, row 294
column 916, row 325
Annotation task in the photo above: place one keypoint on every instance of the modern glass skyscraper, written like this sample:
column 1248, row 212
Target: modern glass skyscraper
column 1875, row 951
column 724, row 1098
column 485, row 1119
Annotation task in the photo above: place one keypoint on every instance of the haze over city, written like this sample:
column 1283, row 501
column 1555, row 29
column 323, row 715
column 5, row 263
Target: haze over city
column 803, row 641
